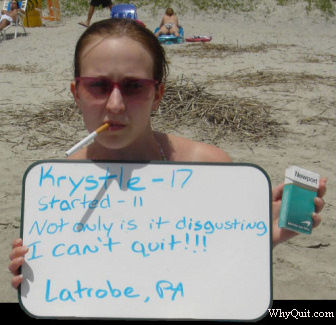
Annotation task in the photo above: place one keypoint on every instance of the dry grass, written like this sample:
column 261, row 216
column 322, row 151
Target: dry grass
column 189, row 104
column 319, row 120
column 264, row 78
column 19, row 68
column 211, row 50
column 55, row 125
column 186, row 104
column 318, row 58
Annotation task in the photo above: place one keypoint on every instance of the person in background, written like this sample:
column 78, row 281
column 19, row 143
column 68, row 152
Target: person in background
column 169, row 24
column 93, row 5
column 9, row 16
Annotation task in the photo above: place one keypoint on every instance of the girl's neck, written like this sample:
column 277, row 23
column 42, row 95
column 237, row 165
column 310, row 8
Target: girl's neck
column 151, row 149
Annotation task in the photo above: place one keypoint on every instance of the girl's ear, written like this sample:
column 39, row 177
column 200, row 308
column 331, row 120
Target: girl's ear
column 159, row 91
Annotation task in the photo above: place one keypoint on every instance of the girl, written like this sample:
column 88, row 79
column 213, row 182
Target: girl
column 120, row 70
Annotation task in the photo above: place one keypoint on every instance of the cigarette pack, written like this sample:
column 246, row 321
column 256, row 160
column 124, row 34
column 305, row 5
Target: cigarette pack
column 297, row 204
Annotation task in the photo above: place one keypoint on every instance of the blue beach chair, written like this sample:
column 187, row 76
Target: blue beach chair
column 171, row 39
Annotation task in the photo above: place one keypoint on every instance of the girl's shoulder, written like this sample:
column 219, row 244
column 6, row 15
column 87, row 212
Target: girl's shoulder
column 178, row 148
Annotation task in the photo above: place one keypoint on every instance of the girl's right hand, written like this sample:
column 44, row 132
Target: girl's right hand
column 16, row 257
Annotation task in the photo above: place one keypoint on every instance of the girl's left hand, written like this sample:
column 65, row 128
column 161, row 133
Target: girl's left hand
column 282, row 234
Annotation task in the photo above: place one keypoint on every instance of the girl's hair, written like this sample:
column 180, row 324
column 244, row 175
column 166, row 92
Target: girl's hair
column 125, row 27
column 169, row 11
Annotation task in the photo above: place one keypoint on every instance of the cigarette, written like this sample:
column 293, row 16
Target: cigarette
column 87, row 139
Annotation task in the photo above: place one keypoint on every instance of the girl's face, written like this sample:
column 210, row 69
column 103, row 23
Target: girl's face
column 128, row 106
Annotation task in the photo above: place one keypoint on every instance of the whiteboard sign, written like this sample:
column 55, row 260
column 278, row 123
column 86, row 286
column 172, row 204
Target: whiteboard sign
column 146, row 240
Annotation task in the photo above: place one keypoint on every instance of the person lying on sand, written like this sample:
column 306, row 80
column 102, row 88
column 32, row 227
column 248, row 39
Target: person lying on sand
column 119, row 79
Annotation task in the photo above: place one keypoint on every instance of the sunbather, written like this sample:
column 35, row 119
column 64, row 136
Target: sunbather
column 9, row 16
column 169, row 24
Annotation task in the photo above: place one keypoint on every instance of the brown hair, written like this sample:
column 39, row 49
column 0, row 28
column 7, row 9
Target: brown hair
column 132, row 29
column 169, row 12
column 17, row 3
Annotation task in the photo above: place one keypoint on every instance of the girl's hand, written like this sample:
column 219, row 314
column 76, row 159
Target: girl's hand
column 282, row 234
column 16, row 257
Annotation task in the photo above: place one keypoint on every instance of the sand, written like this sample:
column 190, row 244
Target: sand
column 294, row 52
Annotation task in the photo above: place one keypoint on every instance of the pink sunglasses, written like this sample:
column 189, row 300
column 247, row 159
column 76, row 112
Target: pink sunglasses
column 101, row 88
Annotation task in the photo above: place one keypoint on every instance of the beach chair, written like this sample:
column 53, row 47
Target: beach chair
column 19, row 20
column 54, row 11
column 171, row 39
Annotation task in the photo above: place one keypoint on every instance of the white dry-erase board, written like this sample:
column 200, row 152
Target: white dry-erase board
column 146, row 240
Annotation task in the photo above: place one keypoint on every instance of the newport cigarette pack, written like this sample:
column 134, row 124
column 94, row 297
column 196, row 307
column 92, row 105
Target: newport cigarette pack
column 297, row 204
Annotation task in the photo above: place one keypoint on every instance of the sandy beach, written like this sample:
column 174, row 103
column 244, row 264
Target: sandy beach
column 276, row 56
